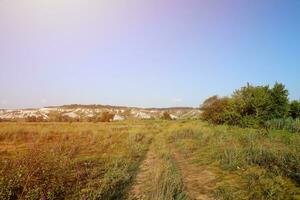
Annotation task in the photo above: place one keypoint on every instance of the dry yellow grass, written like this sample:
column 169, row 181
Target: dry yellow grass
column 70, row 160
column 157, row 160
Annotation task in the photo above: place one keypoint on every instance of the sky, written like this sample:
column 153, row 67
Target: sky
column 148, row 53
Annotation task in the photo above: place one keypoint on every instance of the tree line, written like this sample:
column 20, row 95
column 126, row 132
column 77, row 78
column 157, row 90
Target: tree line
column 252, row 106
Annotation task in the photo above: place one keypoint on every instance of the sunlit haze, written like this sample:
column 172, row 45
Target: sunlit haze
column 145, row 53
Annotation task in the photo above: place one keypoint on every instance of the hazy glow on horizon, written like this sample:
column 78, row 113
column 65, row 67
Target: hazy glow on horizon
column 144, row 52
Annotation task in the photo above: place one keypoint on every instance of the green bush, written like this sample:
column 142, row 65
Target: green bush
column 214, row 110
column 294, row 111
column 252, row 106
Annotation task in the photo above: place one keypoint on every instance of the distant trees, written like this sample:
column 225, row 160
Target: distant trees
column 101, row 117
column 31, row 119
column 34, row 119
column 250, row 106
column 166, row 116
column 106, row 117
column 56, row 116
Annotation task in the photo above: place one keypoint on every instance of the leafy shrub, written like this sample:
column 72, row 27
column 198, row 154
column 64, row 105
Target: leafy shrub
column 214, row 108
column 294, row 111
column 250, row 106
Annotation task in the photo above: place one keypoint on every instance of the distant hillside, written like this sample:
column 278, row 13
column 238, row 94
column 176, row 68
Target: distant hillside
column 95, row 106
column 96, row 112
column 91, row 106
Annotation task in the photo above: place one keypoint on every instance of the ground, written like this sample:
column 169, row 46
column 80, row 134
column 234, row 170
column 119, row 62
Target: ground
column 146, row 160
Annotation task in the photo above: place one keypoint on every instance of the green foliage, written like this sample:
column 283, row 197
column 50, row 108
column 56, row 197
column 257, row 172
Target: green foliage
column 294, row 110
column 250, row 106
column 280, row 102
column 254, row 104
column 214, row 109
column 208, row 102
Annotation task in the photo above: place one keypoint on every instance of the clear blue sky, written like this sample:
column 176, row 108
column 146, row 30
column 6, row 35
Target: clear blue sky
column 144, row 52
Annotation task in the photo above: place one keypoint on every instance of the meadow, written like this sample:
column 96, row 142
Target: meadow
column 70, row 160
column 147, row 159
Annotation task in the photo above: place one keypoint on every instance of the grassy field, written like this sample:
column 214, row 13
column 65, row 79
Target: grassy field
column 71, row 160
column 160, row 160
column 244, row 163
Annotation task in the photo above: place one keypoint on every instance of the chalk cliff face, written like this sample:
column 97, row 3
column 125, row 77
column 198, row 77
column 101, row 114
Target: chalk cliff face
column 82, row 112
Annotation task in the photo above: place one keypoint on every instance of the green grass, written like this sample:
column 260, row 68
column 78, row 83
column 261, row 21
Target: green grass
column 289, row 124
column 165, row 179
column 249, row 163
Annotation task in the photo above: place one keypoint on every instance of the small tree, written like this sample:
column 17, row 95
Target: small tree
column 31, row 119
column 280, row 101
column 209, row 101
column 294, row 110
column 167, row 116
column 106, row 117
column 254, row 104
column 214, row 111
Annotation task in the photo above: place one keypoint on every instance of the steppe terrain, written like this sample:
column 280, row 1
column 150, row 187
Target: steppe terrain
column 146, row 159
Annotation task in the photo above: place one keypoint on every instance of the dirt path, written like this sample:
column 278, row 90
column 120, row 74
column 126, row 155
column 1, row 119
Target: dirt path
column 156, row 180
column 198, row 180
column 145, row 171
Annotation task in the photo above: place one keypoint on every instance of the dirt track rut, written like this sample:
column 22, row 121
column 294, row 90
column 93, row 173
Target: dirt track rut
column 198, row 180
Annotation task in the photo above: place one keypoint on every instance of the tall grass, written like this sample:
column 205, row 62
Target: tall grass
column 288, row 124
column 166, row 182
column 250, row 164
column 70, row 161
column 163, row 180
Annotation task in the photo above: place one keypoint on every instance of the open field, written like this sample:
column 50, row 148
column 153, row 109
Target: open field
column 149, row 100
column 163, row 160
